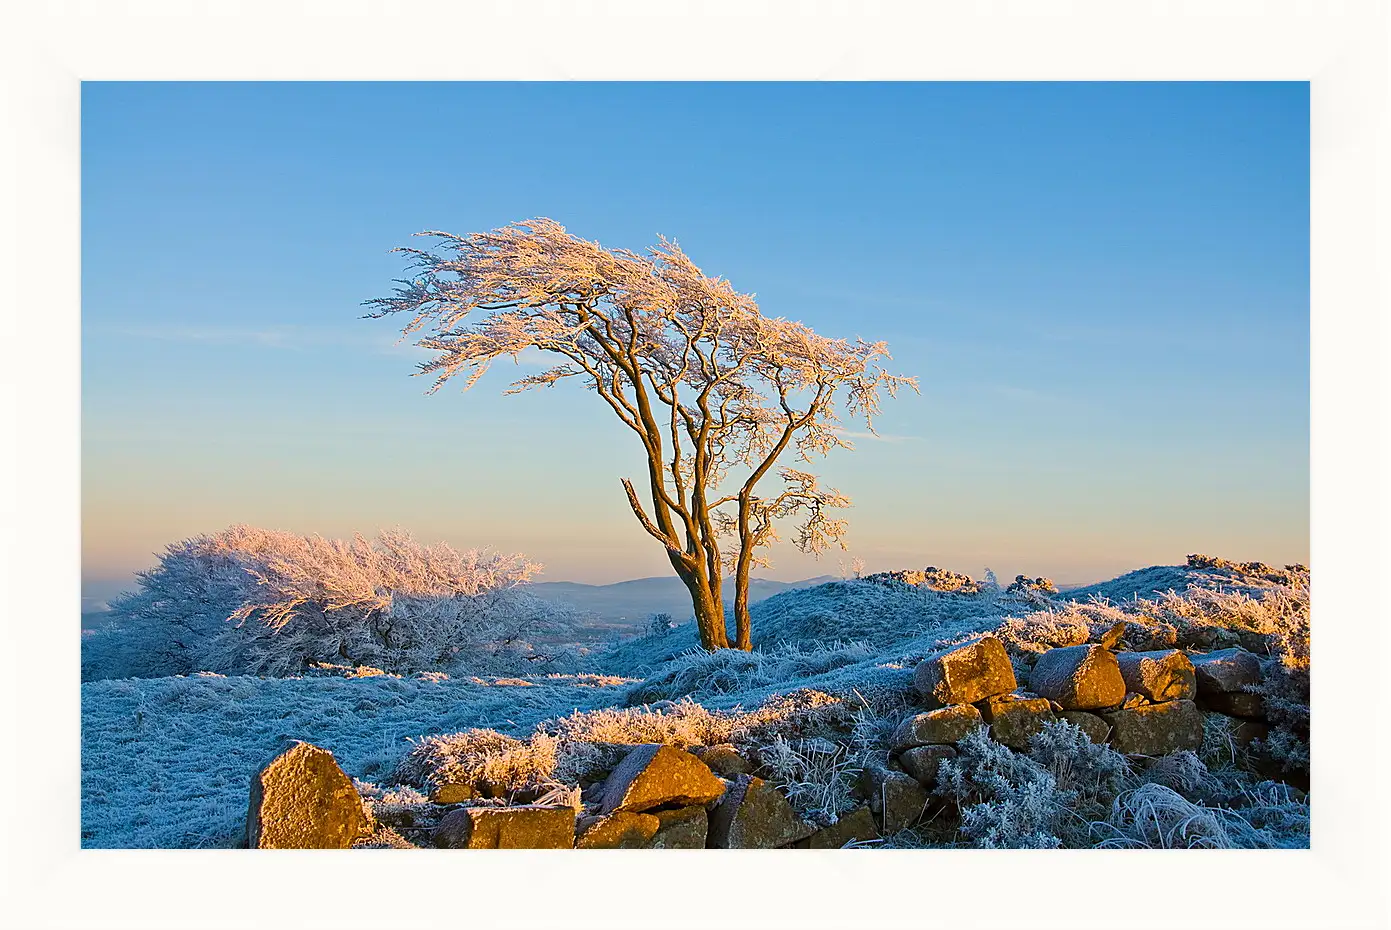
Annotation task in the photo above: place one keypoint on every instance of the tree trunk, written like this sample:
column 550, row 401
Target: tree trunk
column 741, row 612
column 709, row 614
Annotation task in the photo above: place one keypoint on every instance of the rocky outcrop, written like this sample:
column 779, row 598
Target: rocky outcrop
column 623, row 830
column 301, row 799
column 1156, row 729
column 724, row 760
column 1097, row 730
column 965, row 674
column 896, row 798
column 683, row 828
column 1014, row 718
column 753, row 814
column 943, row 726
column 656, row 775
column 1078, row 677
column 1161, row 675
column 932, row 578
column 453, row 794
column 1226, row 671
column 922, row 762
column 523, row 827
column 1223, row 679
column 856, row 826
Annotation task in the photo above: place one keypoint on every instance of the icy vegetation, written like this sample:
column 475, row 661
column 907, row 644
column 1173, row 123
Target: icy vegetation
column 263, row 602
column 167, row 761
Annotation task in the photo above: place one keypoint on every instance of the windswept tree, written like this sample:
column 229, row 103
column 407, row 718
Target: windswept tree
column 715, row 391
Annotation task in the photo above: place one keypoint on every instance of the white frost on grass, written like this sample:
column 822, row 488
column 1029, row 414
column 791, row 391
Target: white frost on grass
column 167, row 762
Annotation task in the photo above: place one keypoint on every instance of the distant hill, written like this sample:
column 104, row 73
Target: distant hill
column 629, row 603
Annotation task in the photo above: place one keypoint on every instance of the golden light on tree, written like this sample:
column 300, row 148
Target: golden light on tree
column 715, row 391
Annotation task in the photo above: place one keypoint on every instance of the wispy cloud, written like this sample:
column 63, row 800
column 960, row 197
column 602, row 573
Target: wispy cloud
column 892, row 438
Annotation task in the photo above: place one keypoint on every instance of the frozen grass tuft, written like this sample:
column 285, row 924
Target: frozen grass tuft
column 487, row 761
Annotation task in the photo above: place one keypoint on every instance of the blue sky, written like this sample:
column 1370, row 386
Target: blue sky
column 1103, row 289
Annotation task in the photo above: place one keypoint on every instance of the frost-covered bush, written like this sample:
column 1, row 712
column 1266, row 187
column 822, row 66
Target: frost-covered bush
column 484, row 759
column 265, row 602
column 1006, row 800
column 660, row 624
column 1042, row 799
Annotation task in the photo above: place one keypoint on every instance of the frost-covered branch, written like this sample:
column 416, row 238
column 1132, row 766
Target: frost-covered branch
column 693, row 367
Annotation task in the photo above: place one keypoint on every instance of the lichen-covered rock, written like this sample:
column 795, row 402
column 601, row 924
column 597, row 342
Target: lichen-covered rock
column 856, row 826
column 453, row 794
column 656, row 775
column 683, row 828
column 301, row 799
column 922, row 762
column 725, row 760
column 753, row 814
column 1112, row 637
column 1207, row 637
column 938, row 727
column 524, row 827
column 896, row 797
column 1097, row 730
column 1160, row 676
column 1014, row 719
column 1227, row 671
column 1148, row 634
column 1235, row 704
column 965, row 674
column 623, row 830
column 1156, row 729
column 1078, row 677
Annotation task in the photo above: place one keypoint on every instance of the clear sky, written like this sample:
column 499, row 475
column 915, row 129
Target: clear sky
column 1103, row 289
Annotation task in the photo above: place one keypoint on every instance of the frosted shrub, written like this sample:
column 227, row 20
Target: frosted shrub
column 660, row 625
column 1040, row 800
column 1007, row 800
column 264, row 602
column 484, row 759
column 1095, row 771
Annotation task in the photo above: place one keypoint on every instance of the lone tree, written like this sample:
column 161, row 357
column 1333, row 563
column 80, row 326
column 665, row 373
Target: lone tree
column 715, row 391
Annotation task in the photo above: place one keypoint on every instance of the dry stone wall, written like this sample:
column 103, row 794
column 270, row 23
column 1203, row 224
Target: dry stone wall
column 1142, row 703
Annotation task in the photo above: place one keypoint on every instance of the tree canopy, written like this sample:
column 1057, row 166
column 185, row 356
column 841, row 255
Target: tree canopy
column 715, row 391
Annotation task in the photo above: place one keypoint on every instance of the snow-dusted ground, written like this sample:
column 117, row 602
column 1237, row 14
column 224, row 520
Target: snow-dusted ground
column 167, row 762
